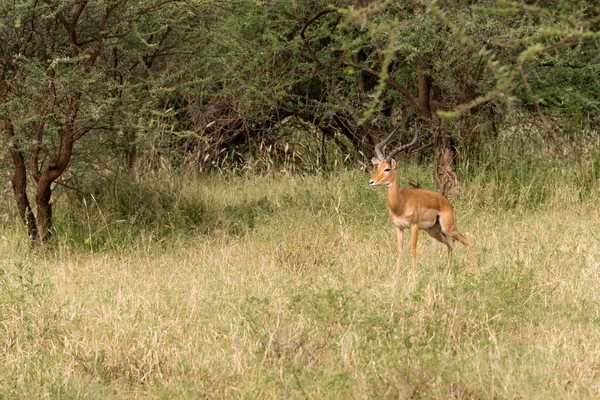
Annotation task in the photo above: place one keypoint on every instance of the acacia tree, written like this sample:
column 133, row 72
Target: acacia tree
column 57, row 70
column 456, row 64
column 420, row 67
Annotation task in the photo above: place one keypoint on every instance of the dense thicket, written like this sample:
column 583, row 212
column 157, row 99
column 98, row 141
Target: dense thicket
column 89, row 87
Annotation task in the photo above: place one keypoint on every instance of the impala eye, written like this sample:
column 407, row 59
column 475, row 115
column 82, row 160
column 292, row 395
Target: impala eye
column 387, row 170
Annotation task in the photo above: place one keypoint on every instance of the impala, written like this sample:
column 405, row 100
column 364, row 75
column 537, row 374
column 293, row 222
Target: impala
column 415, row 208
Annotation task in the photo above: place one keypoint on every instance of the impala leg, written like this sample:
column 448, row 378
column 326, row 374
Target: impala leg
column 414, row 235
column 450, row 229
column 399, row 244
column 436, row 232
column 464, row 241
column 449, row 260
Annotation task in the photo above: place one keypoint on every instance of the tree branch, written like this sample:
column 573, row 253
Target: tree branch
column 394, row 84
column 156, row 7
column 149, row 59
column 306, row 25
column 313, row 19
column 38, row 130
column 530, row 91
column 69, row 25
column 102, row 33
column 80, row 7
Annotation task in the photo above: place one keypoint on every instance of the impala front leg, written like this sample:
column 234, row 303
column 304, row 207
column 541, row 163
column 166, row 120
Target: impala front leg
column 399, row 244
column 414, row 235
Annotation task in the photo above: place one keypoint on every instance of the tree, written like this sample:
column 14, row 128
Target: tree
column 57, row 85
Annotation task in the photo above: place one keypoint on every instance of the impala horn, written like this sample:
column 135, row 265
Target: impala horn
column 379, row 147
column 406, row 146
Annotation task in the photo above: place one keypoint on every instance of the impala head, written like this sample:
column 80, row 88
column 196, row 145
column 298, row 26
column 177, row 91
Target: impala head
column 386, row 172
column 386, row 165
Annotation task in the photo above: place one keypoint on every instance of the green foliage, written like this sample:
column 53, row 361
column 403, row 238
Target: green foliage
column 213, row 84
column 243, row 217
column 122, row 207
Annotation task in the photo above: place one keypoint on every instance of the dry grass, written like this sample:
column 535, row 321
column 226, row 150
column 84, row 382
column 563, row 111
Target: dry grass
column 300, row 301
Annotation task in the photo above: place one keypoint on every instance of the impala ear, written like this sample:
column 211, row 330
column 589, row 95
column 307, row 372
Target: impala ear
column 394, row 165
column 375, row 161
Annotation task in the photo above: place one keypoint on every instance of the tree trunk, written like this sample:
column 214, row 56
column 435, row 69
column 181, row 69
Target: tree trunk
column 443, row 152
column 19, row 181
column 44, row 210
column 19, row 186
column 51, row 173
column 443, row 161
column 130, row 150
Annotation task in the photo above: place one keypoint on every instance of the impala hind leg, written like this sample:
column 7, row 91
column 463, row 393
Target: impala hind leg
column 449, row 260
column 399, row 244
column 436, row 232
column 456, row 235
column 464, row 241
column 449, row 228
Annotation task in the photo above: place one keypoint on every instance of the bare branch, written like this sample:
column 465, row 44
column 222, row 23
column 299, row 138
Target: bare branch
column 80, row 7
column 38, row 129
column 394, row 84
column 530, row 91
column 306, row 25
column 313, row 19
column 101, row 36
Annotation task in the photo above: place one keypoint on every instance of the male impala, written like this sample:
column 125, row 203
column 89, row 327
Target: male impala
column 415, row 208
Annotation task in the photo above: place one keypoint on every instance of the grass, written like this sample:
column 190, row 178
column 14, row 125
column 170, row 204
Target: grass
column 283, row 287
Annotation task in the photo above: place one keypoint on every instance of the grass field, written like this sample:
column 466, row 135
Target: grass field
column 284, row 287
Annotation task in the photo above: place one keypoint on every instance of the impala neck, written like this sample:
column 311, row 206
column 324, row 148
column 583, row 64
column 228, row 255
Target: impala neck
column 393, row 195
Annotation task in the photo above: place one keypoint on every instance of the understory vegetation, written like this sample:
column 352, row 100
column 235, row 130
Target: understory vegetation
column 281, row 286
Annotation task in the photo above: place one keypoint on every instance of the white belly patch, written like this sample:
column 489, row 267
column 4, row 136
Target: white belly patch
column 403, row 224
column 425, row 224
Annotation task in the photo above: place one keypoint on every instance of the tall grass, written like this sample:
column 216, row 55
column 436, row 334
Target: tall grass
column 514, row 174
column 282, row 286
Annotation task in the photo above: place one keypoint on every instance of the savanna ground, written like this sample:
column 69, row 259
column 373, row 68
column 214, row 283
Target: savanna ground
column 283, row 286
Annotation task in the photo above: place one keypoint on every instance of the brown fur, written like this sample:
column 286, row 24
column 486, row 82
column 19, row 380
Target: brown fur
column 417, row 209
